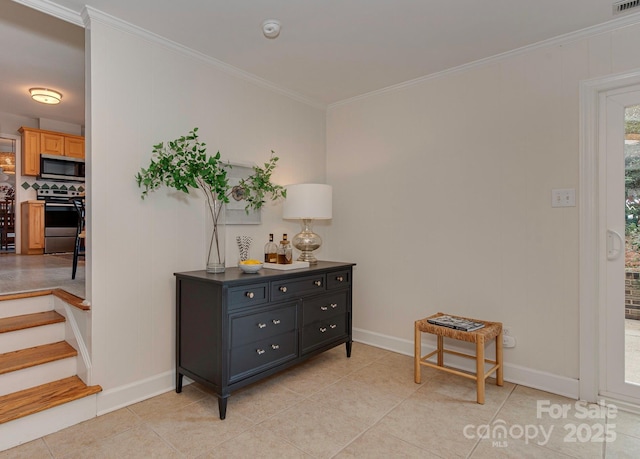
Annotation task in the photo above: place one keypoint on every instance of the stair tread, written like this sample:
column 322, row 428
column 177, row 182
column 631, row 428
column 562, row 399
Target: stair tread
column 37, row 319
column 25, row 358
column 40, row 398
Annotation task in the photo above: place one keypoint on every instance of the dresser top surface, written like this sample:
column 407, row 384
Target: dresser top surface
column 235, row 275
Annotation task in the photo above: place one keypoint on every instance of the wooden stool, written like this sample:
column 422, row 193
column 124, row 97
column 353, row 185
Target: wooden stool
column 491, row 330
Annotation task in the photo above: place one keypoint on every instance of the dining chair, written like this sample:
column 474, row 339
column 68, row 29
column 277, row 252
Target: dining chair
column 79, row 246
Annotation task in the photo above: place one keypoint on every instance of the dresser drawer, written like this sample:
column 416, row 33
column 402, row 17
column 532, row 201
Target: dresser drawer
column 262, row 355
column 248, row 295
column 323, row 331
column 324, row 307
column 338, row 279
column 291, row 288
column 261, row 325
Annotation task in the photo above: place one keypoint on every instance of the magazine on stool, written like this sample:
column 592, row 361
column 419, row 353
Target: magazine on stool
column 456, row 323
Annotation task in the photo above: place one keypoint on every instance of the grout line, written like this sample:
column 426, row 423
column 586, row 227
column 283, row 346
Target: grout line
column 493, row 418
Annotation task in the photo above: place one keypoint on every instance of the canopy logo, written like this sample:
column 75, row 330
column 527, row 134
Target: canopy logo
column 596, row 426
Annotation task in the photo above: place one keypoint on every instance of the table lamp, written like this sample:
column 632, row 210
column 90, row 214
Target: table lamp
column 307, row 202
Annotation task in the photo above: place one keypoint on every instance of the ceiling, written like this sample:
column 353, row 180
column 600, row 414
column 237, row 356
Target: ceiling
column 40, row 51
column 327, row 51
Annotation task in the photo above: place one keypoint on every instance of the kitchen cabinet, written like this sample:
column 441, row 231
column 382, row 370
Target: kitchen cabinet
column 32, row 234
column 233, row 329
column 74, row 147
column 30, row 151
column 51, row 144
column 37, row 141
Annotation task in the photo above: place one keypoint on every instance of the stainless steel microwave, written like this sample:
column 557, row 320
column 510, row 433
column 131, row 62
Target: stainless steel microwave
column 63, row 168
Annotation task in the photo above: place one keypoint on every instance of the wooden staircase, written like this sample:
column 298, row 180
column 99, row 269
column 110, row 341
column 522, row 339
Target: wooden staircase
column 38, row 368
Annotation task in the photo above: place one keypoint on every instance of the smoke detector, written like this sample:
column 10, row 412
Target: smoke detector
column 271, row 28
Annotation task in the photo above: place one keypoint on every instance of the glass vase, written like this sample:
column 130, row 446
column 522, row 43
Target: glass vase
column 216, row 229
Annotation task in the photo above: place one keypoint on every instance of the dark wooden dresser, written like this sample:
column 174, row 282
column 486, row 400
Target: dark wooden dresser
column 233, row 329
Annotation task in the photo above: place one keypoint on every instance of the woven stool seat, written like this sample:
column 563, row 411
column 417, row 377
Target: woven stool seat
column 490, row 331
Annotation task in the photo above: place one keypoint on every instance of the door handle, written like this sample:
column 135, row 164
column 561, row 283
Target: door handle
column 612, row 252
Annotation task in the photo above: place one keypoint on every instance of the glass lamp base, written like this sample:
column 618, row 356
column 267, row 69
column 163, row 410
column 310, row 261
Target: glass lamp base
column 306, row 242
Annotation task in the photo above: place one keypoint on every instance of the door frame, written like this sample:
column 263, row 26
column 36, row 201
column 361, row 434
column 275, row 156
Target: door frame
column 592, row 199
column 18, row 189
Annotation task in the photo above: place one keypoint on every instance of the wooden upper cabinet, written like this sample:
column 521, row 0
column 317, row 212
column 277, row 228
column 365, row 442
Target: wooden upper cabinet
column 30, row 151
column 51, row 144
column 37, row 141
column 74, row 147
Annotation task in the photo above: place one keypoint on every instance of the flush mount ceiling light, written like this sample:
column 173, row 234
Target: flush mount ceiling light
column 45, row 96
column 271, row 28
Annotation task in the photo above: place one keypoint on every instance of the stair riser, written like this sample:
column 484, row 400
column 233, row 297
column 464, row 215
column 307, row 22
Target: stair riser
column 18, row 307
column 39, row 374
column 46, row 422
column 31, row 337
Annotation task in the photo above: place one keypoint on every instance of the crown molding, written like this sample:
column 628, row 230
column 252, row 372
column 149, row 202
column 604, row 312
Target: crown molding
column 53, row 9
column 609, row 26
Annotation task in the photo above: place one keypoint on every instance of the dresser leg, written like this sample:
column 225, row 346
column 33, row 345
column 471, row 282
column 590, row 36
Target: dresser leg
column 178, row 382
column 348, row 344
column 222, row 406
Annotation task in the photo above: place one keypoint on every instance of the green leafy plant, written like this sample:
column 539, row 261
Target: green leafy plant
column 183, row 164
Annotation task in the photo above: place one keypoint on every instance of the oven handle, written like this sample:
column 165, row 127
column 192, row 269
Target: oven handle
column 57, row 204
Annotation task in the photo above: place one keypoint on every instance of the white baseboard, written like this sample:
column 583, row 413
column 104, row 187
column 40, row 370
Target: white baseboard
column 119, row 397
column 516, row 374
column 46, row 422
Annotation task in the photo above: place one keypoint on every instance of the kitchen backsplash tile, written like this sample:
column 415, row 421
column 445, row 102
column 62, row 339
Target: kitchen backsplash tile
column 53, row 186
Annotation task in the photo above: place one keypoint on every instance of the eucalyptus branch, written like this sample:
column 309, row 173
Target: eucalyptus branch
column 183, row 164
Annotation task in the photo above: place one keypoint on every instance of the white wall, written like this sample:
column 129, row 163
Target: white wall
column 445, row 200
column 141, row 93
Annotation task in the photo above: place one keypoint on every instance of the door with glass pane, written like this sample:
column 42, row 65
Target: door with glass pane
column 620, row 314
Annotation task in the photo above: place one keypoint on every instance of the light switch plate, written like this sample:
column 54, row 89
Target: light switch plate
column 563, row 197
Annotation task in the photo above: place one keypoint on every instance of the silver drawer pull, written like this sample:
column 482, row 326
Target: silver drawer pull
column 324, row 308
column 340, row 278
column 283, row 289
column 262, row 325
column 249, row 295
column 260, row 351
column 318, row 283
column 333, row 326
column 275, row 346
column 275, row 321
column 323, row 329
column 334, row 305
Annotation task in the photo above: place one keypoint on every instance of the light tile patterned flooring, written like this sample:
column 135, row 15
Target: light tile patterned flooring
column 21, row 273
column 364, row 407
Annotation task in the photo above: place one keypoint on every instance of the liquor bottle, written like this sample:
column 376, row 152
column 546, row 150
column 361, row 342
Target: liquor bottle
column 270, row 251
column 285, row 252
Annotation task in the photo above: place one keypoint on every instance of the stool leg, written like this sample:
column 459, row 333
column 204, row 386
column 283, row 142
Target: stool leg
column 417, row 353
column 440, row 350
column 500, row 372
column 480, row 368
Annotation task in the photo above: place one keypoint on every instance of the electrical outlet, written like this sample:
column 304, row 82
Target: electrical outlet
column 507, row 339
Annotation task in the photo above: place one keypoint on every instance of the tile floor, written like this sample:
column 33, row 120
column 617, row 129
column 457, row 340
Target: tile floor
column 21, row 273
column 364, row 407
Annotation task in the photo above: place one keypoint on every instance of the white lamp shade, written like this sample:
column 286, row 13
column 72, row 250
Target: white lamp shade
column 308, row 200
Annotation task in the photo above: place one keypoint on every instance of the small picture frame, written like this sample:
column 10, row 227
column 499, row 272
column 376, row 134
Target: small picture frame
column 236, row 213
